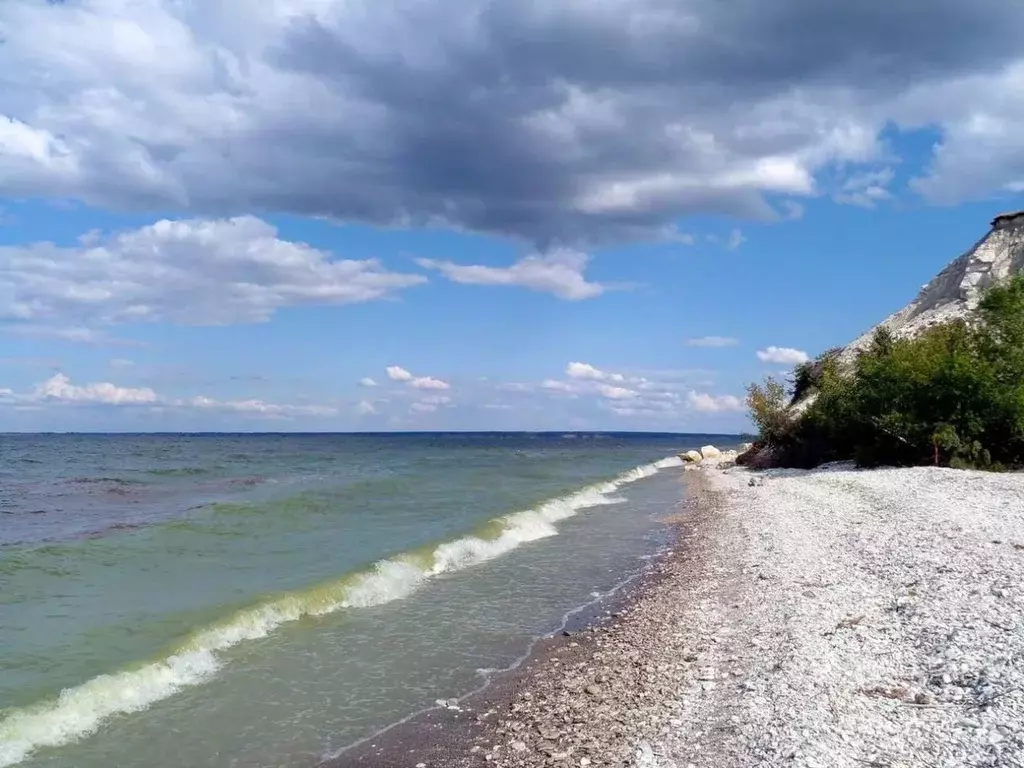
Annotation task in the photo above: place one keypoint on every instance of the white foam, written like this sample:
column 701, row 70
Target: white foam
column 79, row 711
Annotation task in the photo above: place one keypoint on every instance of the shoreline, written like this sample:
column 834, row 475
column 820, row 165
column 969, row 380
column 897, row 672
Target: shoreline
column 464, row 736
column 832, row 617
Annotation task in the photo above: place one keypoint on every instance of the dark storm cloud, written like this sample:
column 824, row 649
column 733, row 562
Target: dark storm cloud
column 570, row 122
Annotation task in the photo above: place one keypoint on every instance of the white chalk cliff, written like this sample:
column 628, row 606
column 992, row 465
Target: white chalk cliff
column 956, row 290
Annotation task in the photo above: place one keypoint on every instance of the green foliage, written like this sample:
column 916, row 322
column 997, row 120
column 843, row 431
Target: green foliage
column 767, row 406
column 954, row 396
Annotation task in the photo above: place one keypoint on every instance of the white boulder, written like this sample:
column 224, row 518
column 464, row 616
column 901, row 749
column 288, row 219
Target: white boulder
column 710, row 452
column 691, row 457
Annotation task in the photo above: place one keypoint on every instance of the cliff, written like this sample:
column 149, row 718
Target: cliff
column 955, row 291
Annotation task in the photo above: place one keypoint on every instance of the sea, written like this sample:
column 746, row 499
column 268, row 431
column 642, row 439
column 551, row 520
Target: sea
column 256, row 601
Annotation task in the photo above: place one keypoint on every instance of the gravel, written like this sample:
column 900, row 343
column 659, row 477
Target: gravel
column 826, row 618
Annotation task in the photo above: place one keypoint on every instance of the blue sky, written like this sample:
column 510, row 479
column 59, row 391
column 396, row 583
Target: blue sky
column 325, row 215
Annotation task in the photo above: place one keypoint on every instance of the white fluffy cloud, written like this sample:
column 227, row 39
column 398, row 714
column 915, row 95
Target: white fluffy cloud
column 664, row 397
column 587, row 371
column 59, row 387
column 559, row 272
column 397, row 373
column 712, row 341
column 782, row 355
column 190, row 271
column 365, row 408
column 367, row 382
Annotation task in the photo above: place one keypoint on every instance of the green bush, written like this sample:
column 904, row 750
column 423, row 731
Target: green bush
column 953, row 396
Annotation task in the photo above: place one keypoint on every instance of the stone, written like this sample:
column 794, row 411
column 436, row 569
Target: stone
column 691, row 457
column 710, row 452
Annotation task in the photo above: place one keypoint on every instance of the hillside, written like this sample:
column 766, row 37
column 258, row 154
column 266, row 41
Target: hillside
column 955, row 291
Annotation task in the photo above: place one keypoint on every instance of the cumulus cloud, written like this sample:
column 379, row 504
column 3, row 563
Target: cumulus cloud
column 549, row 122
column 587, row 371
column 367, row 382
column 365, row 408
column 559, row 272
column 782, row 355
column 59, row 387
column 706, row 403
column 194, row 272
column 397, row 373
column 712, row 341
column 427, row 382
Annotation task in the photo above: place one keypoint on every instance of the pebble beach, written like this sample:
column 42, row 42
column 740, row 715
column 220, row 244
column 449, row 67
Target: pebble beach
column 827, row 618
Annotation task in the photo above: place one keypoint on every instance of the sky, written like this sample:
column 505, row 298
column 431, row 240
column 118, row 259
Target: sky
column 349, row 215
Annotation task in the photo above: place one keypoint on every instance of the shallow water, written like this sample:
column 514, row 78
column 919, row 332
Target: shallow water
column 264, row 600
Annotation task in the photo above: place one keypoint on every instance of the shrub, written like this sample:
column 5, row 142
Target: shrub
column 953, row 395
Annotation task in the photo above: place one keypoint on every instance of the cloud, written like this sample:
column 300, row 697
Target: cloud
column 616, row 393
column 255, row 407
column 192, row 272
column 397, row 373
column 782, row 355
column 430, row 404
column 426, row 382
column 587, row 371
column 706, row 403
column 59, row 387
column 365, row 408
column 367, row 382
column 60, row 390
column 735, row 240
column 559, row 272
column 712, row 341
column 545, row 122
column 866, row 189
column 554, row 385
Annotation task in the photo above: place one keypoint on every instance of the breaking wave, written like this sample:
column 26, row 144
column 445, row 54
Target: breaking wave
column 79, row 711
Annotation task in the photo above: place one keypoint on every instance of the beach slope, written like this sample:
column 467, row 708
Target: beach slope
column 827, row 618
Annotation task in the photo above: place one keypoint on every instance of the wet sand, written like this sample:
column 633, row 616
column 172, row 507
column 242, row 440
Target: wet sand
column 577, row 697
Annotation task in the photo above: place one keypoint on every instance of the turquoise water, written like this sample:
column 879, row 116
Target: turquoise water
column 265, row 600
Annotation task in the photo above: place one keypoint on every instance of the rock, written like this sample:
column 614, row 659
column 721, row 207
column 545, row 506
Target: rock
column 691, row 457
column 710, row 452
